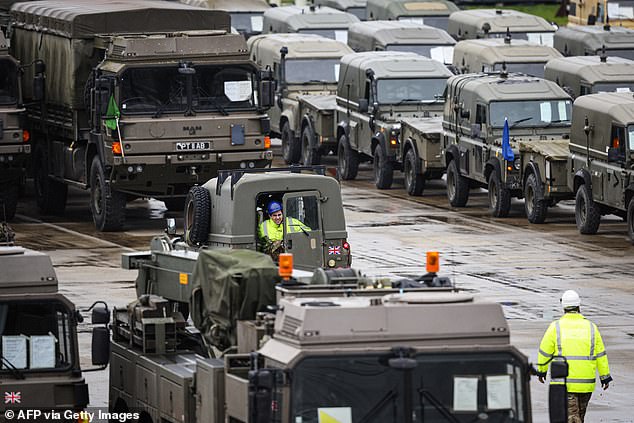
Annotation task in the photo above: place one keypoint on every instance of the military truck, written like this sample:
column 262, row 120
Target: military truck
column 305, row 65
column 354, row 7
column 493, row 54
column 402, row 36
column 14, row 139
column 324, row 21
column 601, row 172
column 246, row 15
column 126, row 104
column 538, row 113
column 493, row 23
column 428, row 12
column 593, row 40
column 581, row 75
column 599, row 12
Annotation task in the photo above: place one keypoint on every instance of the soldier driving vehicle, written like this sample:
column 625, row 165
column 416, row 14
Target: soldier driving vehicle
column 594, row 40
column 246, row 15
column 129, row 115
column 428, row 12
column 354, row 7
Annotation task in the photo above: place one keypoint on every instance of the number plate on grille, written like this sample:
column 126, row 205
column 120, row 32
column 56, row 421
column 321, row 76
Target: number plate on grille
column 193, row 146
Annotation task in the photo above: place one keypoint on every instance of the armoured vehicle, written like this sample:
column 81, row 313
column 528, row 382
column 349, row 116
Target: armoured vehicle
column 402, row 36
column 246, row 15
column 599, row 12
column 324, row 21
column 538, row 113
column 494, row 23
column 126, row 114
column 601, row 171
column 493, row 54
column 305, row 65
column 428, row 12
column 14, row 139
column 581, row 75
column 592, row 40
column 354, row 7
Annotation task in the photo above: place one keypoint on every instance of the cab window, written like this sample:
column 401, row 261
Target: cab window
column 630, row 137
column 305, row 209
column 481, row 114
column 618, row 139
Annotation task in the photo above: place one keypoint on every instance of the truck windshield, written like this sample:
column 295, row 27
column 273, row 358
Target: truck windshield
column 400, row 91
column 8, row 82
column 452, row 387
column 36, row 336
column 542, row 38
column 443, row 54
column 531, row 113
column 627, row 53
column 359, row 12
column 613, row 87
column 339, row 34
column 163, row 89
column 249, row 23
column 302, row 71
column 532, row 69
column 435, row 21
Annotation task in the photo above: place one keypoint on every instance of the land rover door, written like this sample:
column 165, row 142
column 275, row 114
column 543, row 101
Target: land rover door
column 303, row 234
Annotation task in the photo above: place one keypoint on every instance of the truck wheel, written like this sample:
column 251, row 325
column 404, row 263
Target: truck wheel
column 499, row 197
column 630, row 220
column 8, row 200
column 383, row 169
column 50, row 194
column 107, row 206
column 175, row 203
column 414, row 181
column 457, row 186
column 197, row 216
column 310, row 155
column 587, row 212
column 290, row 146
column 347, row 160
column 536, row 209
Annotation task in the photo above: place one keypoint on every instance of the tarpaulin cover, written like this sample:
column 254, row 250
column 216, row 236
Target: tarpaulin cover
column 550, row 149
column 227, row 286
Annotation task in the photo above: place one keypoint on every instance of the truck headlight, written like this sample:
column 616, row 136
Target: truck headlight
column 517, row 164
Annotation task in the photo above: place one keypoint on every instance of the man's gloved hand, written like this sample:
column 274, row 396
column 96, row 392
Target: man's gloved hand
column 541, row 378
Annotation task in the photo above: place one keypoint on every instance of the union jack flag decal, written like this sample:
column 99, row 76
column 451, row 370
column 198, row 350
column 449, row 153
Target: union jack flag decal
column 12, row 397
column 334, row 250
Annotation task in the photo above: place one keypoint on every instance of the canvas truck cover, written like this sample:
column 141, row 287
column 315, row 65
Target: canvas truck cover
column 230, row 285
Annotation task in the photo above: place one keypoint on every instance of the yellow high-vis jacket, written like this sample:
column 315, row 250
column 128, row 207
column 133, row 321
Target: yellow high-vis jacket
column 578, row 339
column 269, row 230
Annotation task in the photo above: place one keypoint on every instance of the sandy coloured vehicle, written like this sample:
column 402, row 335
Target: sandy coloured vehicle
column 413, row 37
column 593, row 40
column 354, row 7
column 581, row 75
column 493, row 23
column 305, row 65
column 599, row 12
column 427, row 12
column 601, row 170
column 538, row 113
column 494, row 54
column 246, row 15
column 152, row 117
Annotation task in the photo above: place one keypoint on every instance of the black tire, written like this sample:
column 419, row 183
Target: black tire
column 50, row 194
column 414, row 181
column 630, row 220
column 197, row 216
column 107, row 206
column 457, row 186
column 175, row 204
column 310, row 155
column 347, row 160
column 9, row 200
column 290, row 147
column 499, row 197
column 536, row 209
column 383, row 168
column 587, row 212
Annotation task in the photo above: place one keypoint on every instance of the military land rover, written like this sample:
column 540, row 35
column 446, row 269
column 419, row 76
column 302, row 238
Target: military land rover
column 538, row 113
column 354, row 7
column 601, row 168
column 494, row 23
column 581, row 75
column 407, row 36
column 599, row 12
column 428, row 12
column 493, row 54
column 594, row 40
column 306, row 66
column 14, row 139
column 246, row 15
column 127, row 114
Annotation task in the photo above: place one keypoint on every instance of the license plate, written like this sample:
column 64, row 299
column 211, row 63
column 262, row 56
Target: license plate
column 193, row 146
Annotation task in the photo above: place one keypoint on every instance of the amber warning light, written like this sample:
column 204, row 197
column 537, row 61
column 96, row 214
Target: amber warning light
column 433, row 262
column 286, row 266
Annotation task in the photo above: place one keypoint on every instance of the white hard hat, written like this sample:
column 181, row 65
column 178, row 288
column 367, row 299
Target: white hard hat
column 570, row 299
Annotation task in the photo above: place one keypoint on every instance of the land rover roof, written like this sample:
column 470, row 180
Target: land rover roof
column 392, row 64
column 297, row 18
column 231, row 5
column 395, row 32
column 606, row 107
column 497, row 50
column 26, row 271
column 299, row 46
column 82, row 19
column 356, row 7
column 381, row 9
column 584, row 40
column 591, row 69
column 469, row 24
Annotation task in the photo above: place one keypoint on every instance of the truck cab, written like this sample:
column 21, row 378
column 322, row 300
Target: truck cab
column 246, row 15
column 354, row 7
column 428, row 12
column 594, row 40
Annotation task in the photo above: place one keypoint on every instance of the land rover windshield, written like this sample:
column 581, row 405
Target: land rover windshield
column 339, row 34
column 627, row 53
column 613, row 87
column 162, row 90
column 303, row 71
column 443, row 54
column 448, row 387
column 414, row 90
column 436, row 21
column 531, row 113
column 8, row 82
column 36, row 336
column 249, row 23
column 542, row 38
column 532, row 69
column 359, row 12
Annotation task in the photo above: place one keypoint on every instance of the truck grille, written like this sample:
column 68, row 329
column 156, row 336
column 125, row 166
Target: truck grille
column 290, row 326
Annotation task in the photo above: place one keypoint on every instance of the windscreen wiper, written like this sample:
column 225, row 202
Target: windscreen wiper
column 549, row 124
column 390, row 396
column 516, row 122
column 439, row 406
column 14, row 370
column 409, row 100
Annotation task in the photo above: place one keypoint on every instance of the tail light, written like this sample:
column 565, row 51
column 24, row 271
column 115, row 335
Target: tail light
column 26, row 136
column 346, row 245
column 116, row 148
column 267, row 142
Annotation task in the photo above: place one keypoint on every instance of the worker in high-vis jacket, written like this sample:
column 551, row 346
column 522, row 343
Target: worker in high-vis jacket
column 271, row 231
column 579, row 341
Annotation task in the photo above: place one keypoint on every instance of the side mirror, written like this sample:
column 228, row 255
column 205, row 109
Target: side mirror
column 363, row 105
column 102, row 95
column 614, row 155
column 100, row 315
column 557, row 393
column 267, row 88
column 100, row 348
column 38, row 87
column 261, row 384
column 465, row 114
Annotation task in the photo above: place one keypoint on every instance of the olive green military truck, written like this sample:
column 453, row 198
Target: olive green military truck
column 538, row 113
column 126, row 104
column 306, row 66
column 491, row 55
column 601, row 167
column 246, row 15
column 581, row 75
column 593, row 40
column 494, row 23
column 429, row 12
column 14, row 139
column 354, row 7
